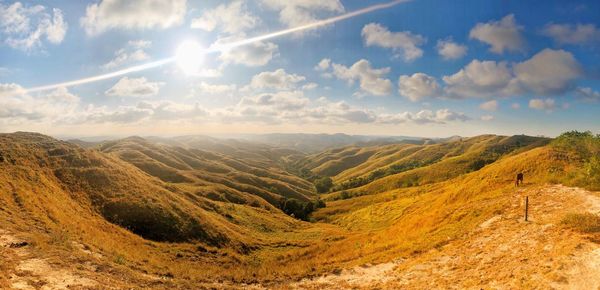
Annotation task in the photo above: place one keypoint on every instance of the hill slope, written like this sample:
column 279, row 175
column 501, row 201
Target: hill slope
column 55, row 195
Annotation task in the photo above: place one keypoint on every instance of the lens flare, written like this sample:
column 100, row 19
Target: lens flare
column 192, row 54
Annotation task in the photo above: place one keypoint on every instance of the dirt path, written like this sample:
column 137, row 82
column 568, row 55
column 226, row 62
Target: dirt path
column 22, row 270
column 504, row 252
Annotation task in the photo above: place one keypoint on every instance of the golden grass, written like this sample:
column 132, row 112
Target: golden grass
column 57, row 202
column 587, row 223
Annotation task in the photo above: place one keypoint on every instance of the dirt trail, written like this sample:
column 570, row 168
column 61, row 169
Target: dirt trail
column 26, row 271
column 504, row 252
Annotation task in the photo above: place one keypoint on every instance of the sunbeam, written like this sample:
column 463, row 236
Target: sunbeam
column 220, row 47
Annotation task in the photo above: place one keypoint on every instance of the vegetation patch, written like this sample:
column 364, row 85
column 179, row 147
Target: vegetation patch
column 587, row 223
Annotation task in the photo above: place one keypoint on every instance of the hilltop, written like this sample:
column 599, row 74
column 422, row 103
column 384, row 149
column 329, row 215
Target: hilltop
column 186, row 212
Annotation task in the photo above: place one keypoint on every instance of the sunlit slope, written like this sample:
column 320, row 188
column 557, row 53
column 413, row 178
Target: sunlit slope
column 412, row 165
column 36, row 168
column 55, row 193
column 213, row 175
column 405, row 221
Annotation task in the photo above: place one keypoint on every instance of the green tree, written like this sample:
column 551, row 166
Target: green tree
column 323, row 184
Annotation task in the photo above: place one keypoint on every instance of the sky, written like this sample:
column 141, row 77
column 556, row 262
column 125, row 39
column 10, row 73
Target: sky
column 418, row 68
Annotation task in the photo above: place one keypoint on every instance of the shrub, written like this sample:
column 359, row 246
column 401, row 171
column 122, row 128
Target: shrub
column 300, row 209
column 323, row 184
column 586, row 223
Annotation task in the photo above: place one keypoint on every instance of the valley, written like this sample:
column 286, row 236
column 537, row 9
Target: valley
column 196, row 211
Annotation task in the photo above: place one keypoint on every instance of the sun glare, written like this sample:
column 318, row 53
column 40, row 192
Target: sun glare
column 189, row 56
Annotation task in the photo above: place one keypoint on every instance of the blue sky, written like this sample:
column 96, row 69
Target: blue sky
column 421, row 68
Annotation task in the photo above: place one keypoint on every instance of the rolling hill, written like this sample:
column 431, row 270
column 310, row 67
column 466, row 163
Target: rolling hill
column 190, row 213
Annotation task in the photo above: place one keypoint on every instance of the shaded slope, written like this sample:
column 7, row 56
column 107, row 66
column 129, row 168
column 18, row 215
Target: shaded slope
column 212, row 175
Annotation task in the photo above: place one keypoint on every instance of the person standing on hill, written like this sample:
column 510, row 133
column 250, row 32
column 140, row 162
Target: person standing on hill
column 519, row 179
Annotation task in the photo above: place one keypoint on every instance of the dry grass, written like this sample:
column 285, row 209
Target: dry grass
column 587, row 223
column 57, row 198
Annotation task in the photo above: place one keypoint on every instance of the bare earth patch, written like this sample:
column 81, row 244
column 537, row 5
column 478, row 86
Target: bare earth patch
column 36, row 273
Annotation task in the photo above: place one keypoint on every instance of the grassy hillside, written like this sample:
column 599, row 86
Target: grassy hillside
column 195, row 216
column 56, row 193
column 406, row 165
column 249, row 180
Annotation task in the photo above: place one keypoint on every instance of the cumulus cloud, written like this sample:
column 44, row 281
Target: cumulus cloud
column 258, row 53
column 542, row 104
column 489, row 105
column 205, row 88
column 294, row 107
column 418, row 86
column 502, row 35
column 549, row 72
column 11, row 89
column 298, row 12
column 132, row 14
column 487, row 118
column 587, row 94
column 134, row 87
column 572, row 34
column 441, row 116
column 231, row 18
column 134, row 51
column 480, row 79
column 17, row 107
column 404, row 44
column 24, row 27
column 278, row 79
column 372, row 81
column 448, row 49
column 323, row 65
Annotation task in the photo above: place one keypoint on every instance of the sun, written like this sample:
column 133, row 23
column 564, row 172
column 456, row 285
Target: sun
column 189, row 56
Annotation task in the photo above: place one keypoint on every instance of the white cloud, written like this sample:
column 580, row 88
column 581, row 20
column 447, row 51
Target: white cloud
column 418, row 86
column 215, row 89
column 487, row 118
column 503, row 35
column 441, row 116
column 133, row 52
column 371, row 80
column 404, row 44
column 323, row 65
column 17, row 107
column 25, row 27
column 133, row 14
column 480, row 79
column 134, row 87
column 548, row 72
column 294, row 107
column 515, row 106
column 572, row 34
column 449, row 49
column 231, row 18
column 278, row 79
column 310, row 86
column 11, row 89
column 587, row 94
column 294, row 13
column 254, row 54
column 542, row 104
column 489, row 105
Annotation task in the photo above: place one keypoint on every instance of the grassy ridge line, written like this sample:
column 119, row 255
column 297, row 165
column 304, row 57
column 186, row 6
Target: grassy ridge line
column 434, row 163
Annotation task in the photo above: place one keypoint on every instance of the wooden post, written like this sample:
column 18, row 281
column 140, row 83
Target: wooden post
column 526, row 206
